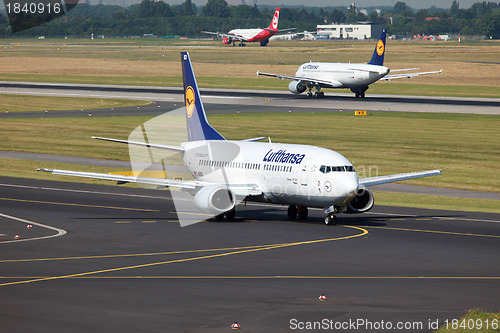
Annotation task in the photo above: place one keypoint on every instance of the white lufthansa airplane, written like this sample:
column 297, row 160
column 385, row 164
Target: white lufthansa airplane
column 251, row 35
column 227, row 171
column 356, row 77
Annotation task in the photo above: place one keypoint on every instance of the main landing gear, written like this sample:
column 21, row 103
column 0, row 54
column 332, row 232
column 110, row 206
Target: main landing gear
column 359, row 91
column 301, row 211
column 317, row 94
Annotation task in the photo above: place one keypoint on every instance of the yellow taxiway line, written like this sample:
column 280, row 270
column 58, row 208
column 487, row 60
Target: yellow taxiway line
column 269, row 247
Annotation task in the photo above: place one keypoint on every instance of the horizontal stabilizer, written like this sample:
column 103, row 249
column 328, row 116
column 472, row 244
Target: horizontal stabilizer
column 404, row 69
column 254, row 139
column 143, row 144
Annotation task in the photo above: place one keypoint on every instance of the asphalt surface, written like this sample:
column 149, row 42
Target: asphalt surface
column 265, row 99
column 125, row 265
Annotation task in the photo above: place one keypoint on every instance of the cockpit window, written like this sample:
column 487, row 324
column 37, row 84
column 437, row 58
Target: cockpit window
column 341, row 168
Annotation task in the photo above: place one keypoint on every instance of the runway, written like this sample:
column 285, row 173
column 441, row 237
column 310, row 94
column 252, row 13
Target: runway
column 125, row 264
column 262, row 100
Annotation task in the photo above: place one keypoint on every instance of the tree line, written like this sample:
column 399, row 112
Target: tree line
column 161, row 19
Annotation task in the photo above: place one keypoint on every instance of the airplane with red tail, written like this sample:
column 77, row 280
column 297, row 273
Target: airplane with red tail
column 251, row 35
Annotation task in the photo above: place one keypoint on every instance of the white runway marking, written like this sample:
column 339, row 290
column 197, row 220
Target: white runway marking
column 60, row 232
column 439, row 217
column 82, row 191
column 248, row 203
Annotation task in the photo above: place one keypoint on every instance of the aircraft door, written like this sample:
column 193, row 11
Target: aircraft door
column 304, row 171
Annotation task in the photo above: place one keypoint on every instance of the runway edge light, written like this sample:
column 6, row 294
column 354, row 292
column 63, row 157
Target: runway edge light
column 17, row 236
column 235, row 326
column 29, row 226
column 322, row 297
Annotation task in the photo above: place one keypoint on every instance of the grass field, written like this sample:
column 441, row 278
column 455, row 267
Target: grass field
column 18, row 103
column 465, row 147
column 468, row 70
column 474, row 321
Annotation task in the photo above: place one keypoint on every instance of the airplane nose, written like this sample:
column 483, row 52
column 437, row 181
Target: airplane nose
column 349, row 186
column 352, row 187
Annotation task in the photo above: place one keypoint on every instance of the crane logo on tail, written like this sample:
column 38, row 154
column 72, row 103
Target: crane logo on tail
column 190, row 101
column 380, row 47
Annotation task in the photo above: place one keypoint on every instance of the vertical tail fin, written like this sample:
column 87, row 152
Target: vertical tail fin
column 274, row 22
column 197, row 124
column 378, row 54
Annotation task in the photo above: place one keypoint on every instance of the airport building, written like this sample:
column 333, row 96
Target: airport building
column 348, row 31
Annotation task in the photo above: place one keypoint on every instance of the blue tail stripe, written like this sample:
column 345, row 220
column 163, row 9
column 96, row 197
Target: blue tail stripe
column 378, row 54
column 197, row 124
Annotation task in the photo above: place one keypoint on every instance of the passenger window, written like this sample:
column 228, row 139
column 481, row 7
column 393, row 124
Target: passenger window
column 322, row 169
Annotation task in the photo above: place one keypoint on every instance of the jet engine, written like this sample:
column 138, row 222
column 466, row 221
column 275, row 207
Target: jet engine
column 362, row 202
column 227, row 40
column 297, row 87
column 214, row 199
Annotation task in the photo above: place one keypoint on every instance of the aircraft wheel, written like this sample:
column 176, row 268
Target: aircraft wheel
column 316, row 95
column 230, row 214
column 292, row 212
column 303, row 212
column 330, row 219
column 362, row 95
column 321, row 94
column 219, row 217
column 309, row 94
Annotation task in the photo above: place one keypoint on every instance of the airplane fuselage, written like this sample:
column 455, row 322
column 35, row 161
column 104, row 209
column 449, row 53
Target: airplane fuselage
column 253, row 35
column 345, row 74
column 286, row 173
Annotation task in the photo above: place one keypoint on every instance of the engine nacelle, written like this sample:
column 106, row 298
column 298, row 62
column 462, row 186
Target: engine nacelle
column 227, row 40
column 214, row 199
column 296, row 87
column 362, row 202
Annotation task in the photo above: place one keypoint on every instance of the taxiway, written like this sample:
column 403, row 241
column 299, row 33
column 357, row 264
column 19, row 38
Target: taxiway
column 125, row 264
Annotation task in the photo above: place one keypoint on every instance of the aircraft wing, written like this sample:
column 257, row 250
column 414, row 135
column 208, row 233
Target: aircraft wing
column 226, row 35
column 407, row 75
column 242, row 190
column 280, row 30
column 306, row 80
column 371, row 181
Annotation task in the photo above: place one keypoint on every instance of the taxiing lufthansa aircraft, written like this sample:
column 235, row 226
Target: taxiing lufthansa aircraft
column 356, row 77
column 226, row 171
column 251, row 35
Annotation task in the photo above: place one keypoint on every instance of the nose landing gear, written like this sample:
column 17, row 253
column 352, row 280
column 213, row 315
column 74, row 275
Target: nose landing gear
column 331, row 219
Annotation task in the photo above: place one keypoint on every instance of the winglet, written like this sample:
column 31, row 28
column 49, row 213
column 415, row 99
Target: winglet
column 197, row 124
column 378, row 54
